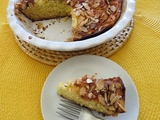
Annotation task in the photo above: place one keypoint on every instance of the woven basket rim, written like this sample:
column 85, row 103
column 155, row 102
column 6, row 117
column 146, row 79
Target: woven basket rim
column 52, row 57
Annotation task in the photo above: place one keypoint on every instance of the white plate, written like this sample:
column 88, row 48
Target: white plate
column 76, row 67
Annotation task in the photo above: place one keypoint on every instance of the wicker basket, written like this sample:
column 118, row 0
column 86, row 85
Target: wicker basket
column 52, row 57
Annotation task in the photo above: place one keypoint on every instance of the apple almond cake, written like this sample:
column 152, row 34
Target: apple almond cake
column 106, row 96
column 89, row 17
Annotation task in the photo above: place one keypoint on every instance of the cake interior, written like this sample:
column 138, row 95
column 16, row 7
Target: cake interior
column 45, row 9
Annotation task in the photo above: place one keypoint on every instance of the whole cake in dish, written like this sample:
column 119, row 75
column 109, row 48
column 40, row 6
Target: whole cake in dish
column 89, row 17
column 106, row 96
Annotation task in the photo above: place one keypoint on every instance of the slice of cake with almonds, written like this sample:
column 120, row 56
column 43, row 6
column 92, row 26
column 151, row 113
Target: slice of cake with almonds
column 106, row 96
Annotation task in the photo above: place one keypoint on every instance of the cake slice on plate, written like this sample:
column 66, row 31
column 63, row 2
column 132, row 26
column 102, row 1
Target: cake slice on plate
column 106, row 96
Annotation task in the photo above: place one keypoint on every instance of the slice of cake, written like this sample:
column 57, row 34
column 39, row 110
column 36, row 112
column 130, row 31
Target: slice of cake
column 89, row 17
column 106, row 96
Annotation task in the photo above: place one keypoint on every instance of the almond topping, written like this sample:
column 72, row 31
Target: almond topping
column 68, row 1
column 113, row 8
column 111, row 108
column 105, row 97
column 78, row 6
column 92, row 25
column 77, row 12
column 112, row 96
column 90, row 12
column 98, row 1
column 78, row 82
column 118, row 85
column 113, row 17
column 122, row 109
column 86, row 6
column 116, row 98
column 111, row 87
column 89, row 81
column 101, row 100
column 99, row 85
column 84, row 29
column 83, row 91
column 107, row 2
column 90, row 95
column 96, row 5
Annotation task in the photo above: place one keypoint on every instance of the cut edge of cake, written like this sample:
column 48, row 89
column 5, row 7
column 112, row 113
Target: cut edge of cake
column 37, row 10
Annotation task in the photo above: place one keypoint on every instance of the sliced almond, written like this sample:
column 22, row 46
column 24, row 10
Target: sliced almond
column 106, row 98
column 121, row 108
column 92, row 87
column 95, row 5
column 118, row 85
column 101, row 99
column 68, row 1
column 81, row 19
column 78, row 6
column 78, row 82
column 97, row 15
column 107, row 2
column 113, row 17
column 78, row 12
column 113, row 8
column 90, row 12
column 93, row 25
column 99, row 85
column 115, row 104
column 90, row 95
column 83, row 22
column 112, row 96
column 115, row 99
column 86, row 6
column 98, row 1
column 108, row 12
column 111, row 87
column 111, row 108
column 83, row 29
column 83, row 91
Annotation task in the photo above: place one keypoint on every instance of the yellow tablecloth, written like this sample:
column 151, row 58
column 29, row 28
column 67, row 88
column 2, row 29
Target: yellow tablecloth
column 22, row 78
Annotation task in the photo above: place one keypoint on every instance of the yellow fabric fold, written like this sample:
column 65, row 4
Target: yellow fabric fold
column 22, row 77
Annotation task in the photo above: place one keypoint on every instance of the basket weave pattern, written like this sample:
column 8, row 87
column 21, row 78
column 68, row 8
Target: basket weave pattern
column 52, row 57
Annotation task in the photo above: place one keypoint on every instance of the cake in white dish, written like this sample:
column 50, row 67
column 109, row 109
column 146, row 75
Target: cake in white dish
column 89, row 17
